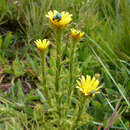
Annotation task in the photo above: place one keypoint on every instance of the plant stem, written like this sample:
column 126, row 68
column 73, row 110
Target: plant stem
column 43, row 71
column 58, row 70
column 58, row 58
column 43, row 68
column 82, row 109
column 45, row 89
column 71, row 70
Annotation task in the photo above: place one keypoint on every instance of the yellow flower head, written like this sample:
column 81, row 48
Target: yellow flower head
column 88, row 85
column 59, row 20
column 37, row 107
column 42, row 45
column 76, row 34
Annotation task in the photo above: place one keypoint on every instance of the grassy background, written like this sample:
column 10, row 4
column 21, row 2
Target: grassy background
column 105, row 49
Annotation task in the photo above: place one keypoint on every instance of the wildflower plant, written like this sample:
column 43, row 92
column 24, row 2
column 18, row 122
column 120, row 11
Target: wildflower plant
column 42, row 46
column 54, row 82
column 59, row 95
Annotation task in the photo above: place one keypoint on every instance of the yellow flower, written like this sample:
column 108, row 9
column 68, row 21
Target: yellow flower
column 88, row 86
column 76, row 34
column 59, row 20
column 37, row 107
column 42, row 45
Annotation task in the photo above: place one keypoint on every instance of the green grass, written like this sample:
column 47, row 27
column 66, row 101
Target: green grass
column 105, row 49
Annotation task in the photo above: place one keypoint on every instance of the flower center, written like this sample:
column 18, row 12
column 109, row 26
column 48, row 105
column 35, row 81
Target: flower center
column 57, row 17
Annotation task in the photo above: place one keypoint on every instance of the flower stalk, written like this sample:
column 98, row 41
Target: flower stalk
column 71, row 70
column 43, row 68
column 84, row 102
column 76, row 35
column 58, row 71
column 58, row 58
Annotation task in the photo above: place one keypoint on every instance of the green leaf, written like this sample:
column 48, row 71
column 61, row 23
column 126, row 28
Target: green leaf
column 32, row 64
column 20, row 92
column 18, row 67
column 122, row 89
column 7, row 40
column 43, row 99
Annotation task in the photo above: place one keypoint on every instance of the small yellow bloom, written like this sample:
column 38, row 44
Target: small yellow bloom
column 88, row 86
column 37, row 107
column 76, row 34
column 59, row 20
column 42, row 45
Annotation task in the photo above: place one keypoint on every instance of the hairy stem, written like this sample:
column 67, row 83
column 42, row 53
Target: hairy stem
column 43, row 73
column 58, row 58
column 71, row 70
column 82, row 109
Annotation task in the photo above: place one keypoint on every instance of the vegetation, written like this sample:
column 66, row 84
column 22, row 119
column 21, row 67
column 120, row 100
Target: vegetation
column 38, row 90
